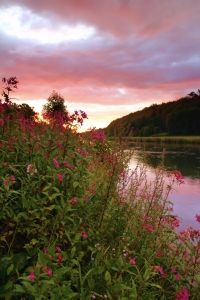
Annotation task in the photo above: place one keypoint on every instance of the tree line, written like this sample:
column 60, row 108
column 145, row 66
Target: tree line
column 180, row 117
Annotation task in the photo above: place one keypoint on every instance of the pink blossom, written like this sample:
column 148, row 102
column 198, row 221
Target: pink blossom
column 32, row 275
column 28, row 168
column 160, row 270
column 182, row 294
column 45, row 250
column 60, row 258
column 56, row 164
column 197, row 218
column 177, row 276
column 132, row 261
column 148, row 227
column 173, row 270
column 6, row 182
column 74, row 201
column 58, row 249
column 60, row 177
column 49, row 272
column 12, row 178
column 159, row 253
column 84, row 235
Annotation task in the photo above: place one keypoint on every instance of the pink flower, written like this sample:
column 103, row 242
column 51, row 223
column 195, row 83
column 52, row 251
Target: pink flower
column 49, row 272
column 12, row 178
column 132, row 261
column 144, row 218
column 182, row 294
column 32, row 275
column 56, row 164
column 60, row 177
column 173, row 270
column 28, row 168
column 160, row 270
column 45, row 250
column 84, row 235
column 6, row 182
column 60, row 258
column 148, row 227
column 197, row 218
column 58, row 249
column 159, row 253
column 177, row 277
column 74, row 201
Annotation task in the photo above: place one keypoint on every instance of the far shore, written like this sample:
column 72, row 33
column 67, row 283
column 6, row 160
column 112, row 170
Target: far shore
column 164, row 139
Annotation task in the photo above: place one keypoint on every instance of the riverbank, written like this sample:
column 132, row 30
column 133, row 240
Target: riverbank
column 165, row 139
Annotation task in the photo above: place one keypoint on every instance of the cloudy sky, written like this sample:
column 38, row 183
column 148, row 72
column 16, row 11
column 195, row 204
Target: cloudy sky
column 106, row 57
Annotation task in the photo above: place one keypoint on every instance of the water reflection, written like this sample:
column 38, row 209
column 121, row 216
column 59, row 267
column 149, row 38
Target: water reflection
column 186, row 159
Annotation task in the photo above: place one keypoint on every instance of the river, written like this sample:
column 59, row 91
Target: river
column 184, row 158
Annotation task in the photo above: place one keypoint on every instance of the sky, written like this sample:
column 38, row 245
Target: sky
column 106, row 57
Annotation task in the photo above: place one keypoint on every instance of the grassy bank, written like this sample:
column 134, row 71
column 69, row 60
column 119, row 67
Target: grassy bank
column 76, row 224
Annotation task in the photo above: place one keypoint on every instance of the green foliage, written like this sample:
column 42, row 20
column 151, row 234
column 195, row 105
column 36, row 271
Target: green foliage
column 55, row 103
column 75, row 223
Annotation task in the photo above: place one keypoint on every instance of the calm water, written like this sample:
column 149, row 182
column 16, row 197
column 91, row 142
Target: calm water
column 186, row 159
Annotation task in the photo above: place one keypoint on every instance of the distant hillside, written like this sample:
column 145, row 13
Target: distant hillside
column 180, row 117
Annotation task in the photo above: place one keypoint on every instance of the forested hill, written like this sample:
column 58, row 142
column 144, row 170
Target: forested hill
column 180, row 117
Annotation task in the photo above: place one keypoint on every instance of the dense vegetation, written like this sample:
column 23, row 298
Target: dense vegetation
column 181, row 117
column 76, row 223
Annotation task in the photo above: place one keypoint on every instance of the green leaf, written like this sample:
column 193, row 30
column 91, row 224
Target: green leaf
column 75, row 184
column 108, row 277
column 18, row 289
column 42, row 259
column 197, row 279
column 10, row 268
column 61, row 271
column 29, row 287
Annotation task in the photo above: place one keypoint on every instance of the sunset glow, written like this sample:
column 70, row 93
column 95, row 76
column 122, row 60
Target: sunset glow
column 108, row 58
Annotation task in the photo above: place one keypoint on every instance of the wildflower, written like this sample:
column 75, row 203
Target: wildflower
column 93, row 297
column 197, row 218
column 32, row 275
column 105, row 296
column 60, row 257
column 56, row 164
column 144, row 218
column 49, row 272
column 84, row 235
column 58, row 249
column 12, row 178
column 160, row 270
column 132, row 261
column 148, row 227
column 6, row 182
column 159, row 253
column 45, row 250
column 74, row 201
column 29, row 168
column 65, row 163
column 182, row 294
column 173, row 270
column 60, row 177
column 177, row 277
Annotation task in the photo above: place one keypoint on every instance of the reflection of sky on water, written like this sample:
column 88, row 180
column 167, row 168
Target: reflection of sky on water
column 186, row 197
